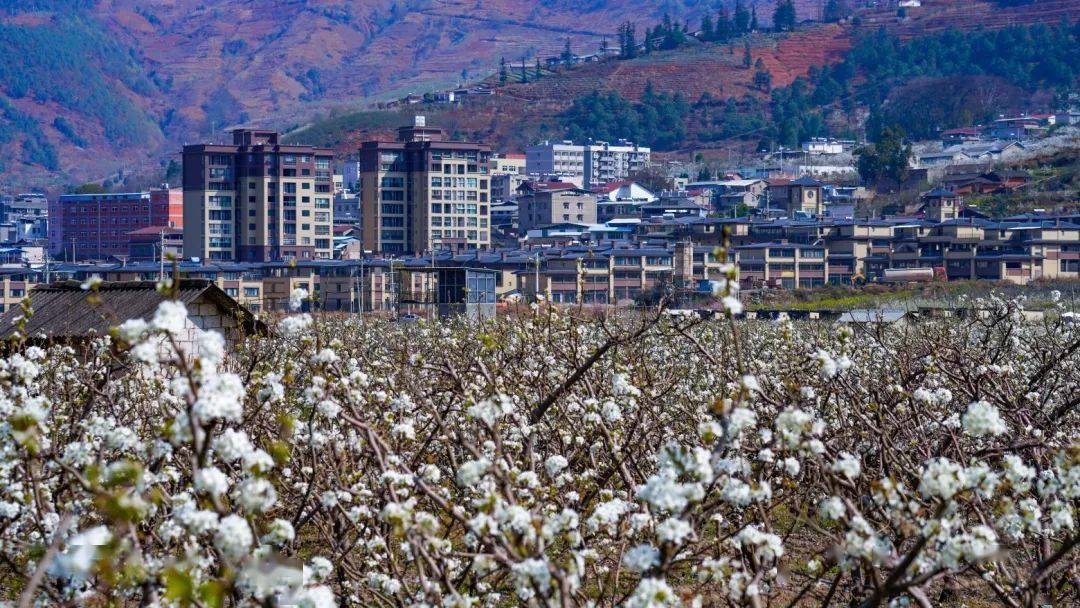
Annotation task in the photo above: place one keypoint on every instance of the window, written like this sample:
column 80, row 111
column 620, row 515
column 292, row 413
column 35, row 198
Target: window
column 393, row 208
column 393, row 195
column 251, row 292
column 392, row 182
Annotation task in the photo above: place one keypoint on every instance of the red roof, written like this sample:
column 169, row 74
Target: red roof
column 514, row 155
column 612, row 186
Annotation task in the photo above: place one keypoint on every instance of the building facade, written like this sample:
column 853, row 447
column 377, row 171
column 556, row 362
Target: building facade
column 546, row 204
column 425, row 193
column 98, row 226
column 258, row 200
column 597, row 162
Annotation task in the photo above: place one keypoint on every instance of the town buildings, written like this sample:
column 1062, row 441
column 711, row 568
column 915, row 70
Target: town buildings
column 24, row 217
column 99, row 226
column 507, row 174
column 596, row 163
column 257, row 200
column 424, row 192
column 546, row 203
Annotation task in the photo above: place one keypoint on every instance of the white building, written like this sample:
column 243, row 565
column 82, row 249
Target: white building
column 597, row 162
column 822, row 145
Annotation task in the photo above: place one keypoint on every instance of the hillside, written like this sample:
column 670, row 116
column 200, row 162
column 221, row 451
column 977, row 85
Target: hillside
column 111, row 86
column 133, row 79
column 819, row 80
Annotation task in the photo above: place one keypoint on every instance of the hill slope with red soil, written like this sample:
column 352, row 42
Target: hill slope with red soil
column 212, row 64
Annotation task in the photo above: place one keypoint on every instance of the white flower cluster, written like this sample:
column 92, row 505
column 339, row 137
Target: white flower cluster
column 490, row 463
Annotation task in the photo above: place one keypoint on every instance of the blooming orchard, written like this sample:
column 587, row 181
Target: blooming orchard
column 545, row 460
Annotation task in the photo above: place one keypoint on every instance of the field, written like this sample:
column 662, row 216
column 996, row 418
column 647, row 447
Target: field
column 642, row 460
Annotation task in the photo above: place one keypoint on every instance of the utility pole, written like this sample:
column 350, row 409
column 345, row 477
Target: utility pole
column 536, row 285
column 361, row 283
column 161, row 257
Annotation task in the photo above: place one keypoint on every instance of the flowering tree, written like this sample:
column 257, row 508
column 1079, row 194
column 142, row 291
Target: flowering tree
column 545, row 460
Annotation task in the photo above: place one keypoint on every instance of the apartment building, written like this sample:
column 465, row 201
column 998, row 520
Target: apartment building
column 24, row 217
column 784, row 265
column 544, row 204
column 507, row 174
column 257, row 200
column 596, row 162
column 424, row 192
column 616, row 273
column 99, row 226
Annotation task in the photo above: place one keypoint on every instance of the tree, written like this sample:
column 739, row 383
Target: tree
column 722, row 32
column 753, row 19
column 653, row 178
column 90, row 188
column 835, row 10
column 502, row 70
column 707, row 32
column 742, row 17
column 762, row 76
column 784, row 17
column 627, row 42
column 524, row 74
column 886, row 158
column 538, row 74
column 567, row 54
column 748, row 59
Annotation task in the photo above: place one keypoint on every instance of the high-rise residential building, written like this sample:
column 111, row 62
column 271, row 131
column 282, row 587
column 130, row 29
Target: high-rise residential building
column 99, row 226
column 258, row 200
column 424, row 192
column 597, row 162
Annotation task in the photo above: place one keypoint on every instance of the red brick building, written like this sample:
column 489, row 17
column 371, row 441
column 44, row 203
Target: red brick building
column 98, row 226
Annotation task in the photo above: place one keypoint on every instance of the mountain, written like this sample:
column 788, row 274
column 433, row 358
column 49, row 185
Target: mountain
column 112, row 88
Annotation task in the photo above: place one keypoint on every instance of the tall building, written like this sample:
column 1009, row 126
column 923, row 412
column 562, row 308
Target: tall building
column 596, row 162
column 99, row 226
column 424, row 193
column 258, row 200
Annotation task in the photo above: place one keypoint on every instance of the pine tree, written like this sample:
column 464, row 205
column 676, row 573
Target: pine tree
column 502, row 70
column 753, row 19
column 524, row 74
column 567, row 54
column 748, row 59
column 707, row 33
column 835, row 10
column 784, row 17
column 631, row 41
column 538, row 68
column 742, row 17
column 723, row 26
column 762, row 76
